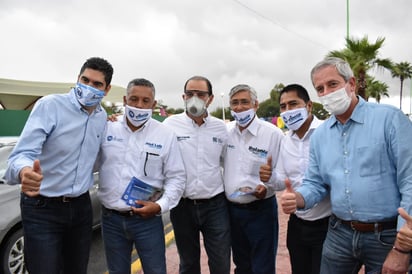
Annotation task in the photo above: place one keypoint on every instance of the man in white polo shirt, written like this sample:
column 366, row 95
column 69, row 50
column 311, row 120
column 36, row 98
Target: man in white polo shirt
column 137, row 147
column 251, row 143
column 203, row 208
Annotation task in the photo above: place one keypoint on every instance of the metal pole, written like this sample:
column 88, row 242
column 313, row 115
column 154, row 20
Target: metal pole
column 347, row 19
column 223, row 107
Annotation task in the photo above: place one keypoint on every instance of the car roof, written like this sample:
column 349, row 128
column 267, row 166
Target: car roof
column 8, row 139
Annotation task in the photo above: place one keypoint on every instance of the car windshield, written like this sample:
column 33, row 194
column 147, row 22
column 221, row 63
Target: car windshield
column 5, row 150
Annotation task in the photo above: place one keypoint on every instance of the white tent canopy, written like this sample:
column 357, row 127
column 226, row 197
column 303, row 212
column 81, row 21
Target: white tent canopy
column 21, row 95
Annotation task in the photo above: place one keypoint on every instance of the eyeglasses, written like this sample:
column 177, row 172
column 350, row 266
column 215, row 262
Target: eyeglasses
column 242, row 102
column 198, row 93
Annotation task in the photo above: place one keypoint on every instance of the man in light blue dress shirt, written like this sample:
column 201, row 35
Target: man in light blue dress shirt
column 362, row 156
column 53, row 161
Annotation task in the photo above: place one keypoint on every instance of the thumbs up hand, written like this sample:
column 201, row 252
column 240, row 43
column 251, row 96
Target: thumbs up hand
column 404, row 236
column 265, row 171
column 288, row 199
column 398, row 258
column 31, row 178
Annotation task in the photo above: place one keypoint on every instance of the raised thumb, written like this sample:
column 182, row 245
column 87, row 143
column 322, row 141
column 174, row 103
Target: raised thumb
column 402, row 212
column 36, row 166
column 269, row 161
column 288, row 185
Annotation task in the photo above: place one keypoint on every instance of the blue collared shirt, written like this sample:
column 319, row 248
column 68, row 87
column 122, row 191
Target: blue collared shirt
column 66, row 140
column 366, row 164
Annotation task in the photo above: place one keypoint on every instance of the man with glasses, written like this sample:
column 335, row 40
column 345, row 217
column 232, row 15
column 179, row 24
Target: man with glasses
column 203, row 208
column 252, row 203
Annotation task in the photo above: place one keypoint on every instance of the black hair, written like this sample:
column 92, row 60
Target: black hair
column 300, row 91
column 201, row 78
column 101, row 65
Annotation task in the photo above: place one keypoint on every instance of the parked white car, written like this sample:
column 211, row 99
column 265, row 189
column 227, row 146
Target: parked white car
column 11, row 232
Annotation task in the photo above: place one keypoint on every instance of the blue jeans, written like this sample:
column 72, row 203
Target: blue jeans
column 121, row 232
column 252, row 230
column 346, row 250
column 57, row 234
column 211, row 218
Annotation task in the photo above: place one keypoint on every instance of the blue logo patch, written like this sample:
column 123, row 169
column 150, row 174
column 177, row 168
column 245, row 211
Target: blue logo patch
column 153, row 145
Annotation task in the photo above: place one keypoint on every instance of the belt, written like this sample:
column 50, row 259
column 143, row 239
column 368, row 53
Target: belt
column 320, row 222
column 251, row 206
column 202, row 201
column 370, row 227
column 126, row 213
column 63, row 199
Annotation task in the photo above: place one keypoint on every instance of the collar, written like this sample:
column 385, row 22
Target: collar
column 126, row 126
column 358, row 115
column 205, row 119
column 252, row 127
column 313, row 125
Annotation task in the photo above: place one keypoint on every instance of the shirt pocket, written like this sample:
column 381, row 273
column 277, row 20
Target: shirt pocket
column 152, row 165
column 371, row 160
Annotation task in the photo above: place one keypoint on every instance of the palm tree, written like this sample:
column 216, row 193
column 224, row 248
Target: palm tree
column 402, row 70
column 376, row 89
column 362, row 56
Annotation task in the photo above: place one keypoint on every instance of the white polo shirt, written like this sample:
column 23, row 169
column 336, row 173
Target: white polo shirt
column 293, row 162
column 246, row 152
column 151, row 154
column 202, row 148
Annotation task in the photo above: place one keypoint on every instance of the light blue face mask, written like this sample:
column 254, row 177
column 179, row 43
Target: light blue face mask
column 88, row 96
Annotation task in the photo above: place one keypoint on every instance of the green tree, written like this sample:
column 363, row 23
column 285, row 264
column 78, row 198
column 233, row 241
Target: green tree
column 402, row 70
column 362, row 56
column 376, row 89
column 319, row 111
column 218, row 113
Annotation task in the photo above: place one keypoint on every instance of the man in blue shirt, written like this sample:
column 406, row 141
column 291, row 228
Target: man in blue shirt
column 53, row 161
column 362, row 156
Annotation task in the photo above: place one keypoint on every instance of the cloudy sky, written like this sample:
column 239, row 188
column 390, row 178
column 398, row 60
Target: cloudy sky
column 256, row 42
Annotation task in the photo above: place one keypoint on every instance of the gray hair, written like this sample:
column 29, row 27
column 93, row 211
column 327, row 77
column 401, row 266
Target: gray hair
column 243, row 87
column 141, row 82
column 341, row 66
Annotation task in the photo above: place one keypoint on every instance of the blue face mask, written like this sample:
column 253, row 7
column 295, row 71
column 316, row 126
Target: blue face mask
column 88, row 96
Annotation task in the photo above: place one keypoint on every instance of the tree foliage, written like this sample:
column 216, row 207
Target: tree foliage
column 362, row 56
column 402, row 70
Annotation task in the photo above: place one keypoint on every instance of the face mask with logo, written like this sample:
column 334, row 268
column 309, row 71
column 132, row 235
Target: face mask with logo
column 195, row 106
column 88, row 96
column 294, row 118
column 336, row 102
column 137, row 116
column 243, row 118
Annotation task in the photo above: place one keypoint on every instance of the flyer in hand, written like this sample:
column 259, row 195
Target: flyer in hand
column 139, row 190
column 246, row 190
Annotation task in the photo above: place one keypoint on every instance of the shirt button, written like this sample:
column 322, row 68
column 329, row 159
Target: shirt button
column 346, row 171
